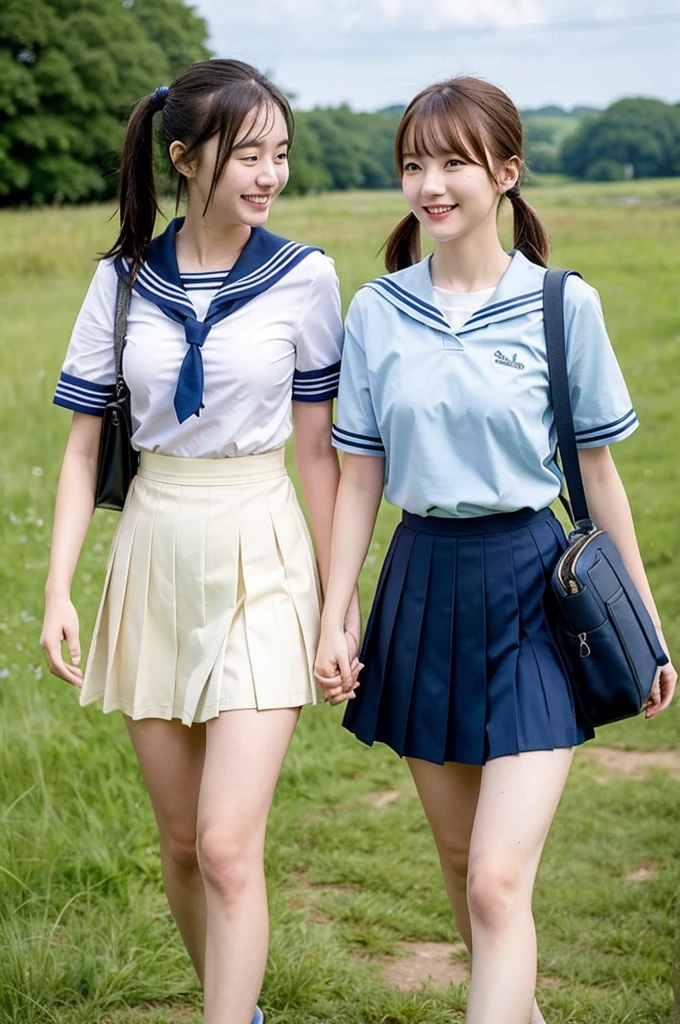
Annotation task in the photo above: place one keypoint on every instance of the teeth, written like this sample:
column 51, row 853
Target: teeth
column 438, row 209
column 259, row 200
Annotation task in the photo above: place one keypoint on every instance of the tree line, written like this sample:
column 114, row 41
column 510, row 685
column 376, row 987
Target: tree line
column 71, row 69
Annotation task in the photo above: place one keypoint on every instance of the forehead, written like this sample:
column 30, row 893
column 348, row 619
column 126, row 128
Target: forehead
column 264, row 120
column 435, row 134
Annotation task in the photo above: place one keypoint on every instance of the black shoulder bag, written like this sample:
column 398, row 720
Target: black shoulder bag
column 602, row 625
column 118, row 460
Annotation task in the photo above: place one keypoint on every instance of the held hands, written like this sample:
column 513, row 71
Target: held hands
column 664, row 685
column 61, row 624
column 337, row 665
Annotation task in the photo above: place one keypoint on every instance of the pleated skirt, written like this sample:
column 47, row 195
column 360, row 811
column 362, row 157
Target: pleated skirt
column 460, row 661
column 211, row 599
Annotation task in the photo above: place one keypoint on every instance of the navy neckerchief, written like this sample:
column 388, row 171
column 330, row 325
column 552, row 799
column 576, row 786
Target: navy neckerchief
column 264, row 260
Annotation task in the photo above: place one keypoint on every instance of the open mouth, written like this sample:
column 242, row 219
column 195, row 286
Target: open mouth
column 440, row 210
column 257, row 200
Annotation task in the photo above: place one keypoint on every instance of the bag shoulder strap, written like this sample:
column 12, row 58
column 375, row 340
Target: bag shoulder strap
column 553, row 318
column 123, row 295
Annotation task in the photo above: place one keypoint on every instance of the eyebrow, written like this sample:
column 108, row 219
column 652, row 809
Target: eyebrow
column 257, row 143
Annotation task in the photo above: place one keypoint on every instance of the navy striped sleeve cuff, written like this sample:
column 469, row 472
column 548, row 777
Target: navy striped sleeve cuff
column 608, row 433
column 357, row 444
column 82, row 395
column 316, row 385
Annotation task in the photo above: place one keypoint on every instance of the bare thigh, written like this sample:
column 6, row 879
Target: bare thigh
column 518, row 799
column 243, row 757
column 171, row 757
column 449, row 795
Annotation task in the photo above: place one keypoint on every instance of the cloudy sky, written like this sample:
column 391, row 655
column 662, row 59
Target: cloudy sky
column 371, row 53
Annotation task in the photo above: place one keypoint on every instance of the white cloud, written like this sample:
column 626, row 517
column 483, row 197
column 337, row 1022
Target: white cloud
column 374, row 52
column 452, row 13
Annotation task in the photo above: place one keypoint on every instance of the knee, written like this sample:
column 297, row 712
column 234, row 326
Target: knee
column 495, row 893
column 454, row 855
column 227, row 863
column 179, row 849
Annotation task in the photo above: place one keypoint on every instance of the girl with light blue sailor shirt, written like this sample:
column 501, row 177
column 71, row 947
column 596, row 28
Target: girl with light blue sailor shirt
column 444, row 402
column 209, row 620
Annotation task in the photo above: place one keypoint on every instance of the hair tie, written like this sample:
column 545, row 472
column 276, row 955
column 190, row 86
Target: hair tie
column 514, row 192
column 160, row 95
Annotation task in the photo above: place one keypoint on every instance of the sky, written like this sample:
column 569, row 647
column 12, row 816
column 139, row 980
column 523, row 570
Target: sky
column 373, row 53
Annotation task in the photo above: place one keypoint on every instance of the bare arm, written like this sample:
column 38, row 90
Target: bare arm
column 72, row 515
column 317, row 464
column 609, row 508
column 356, row 509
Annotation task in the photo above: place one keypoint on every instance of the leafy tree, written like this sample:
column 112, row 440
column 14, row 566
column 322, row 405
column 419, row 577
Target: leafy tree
column 641, row 134
column 69, row 72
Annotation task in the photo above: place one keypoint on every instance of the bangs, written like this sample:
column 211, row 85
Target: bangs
column 257, row 125
column 436, row 124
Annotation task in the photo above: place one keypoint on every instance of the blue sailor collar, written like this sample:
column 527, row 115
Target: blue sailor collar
column 519, row 291
column 264, row 260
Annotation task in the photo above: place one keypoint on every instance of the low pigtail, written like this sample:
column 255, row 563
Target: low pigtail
column 531, row 238
column 402, row 248
column 138, row 197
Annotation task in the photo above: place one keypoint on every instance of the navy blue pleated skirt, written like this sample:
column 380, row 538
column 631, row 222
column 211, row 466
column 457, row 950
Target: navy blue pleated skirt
column 460, row 662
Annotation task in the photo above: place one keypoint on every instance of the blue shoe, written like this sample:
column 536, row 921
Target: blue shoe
column 259, row 1016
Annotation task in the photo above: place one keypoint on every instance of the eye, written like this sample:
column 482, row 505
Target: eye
column 282, row 156
column 454, row 162
column 411, row 166
column 251, row 158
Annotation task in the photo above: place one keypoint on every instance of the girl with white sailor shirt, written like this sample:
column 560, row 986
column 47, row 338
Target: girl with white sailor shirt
column 444, row 404
column 209, row 620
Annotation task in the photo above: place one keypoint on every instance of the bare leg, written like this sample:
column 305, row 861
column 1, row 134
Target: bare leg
column 449, row 795
column 517, row 802
column 171, row 758
column 244, row 753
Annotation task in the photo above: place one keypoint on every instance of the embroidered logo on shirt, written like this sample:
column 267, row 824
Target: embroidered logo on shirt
column 504, row 361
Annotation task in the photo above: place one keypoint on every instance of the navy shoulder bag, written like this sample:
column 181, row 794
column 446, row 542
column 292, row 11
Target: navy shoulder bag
column 602, row 626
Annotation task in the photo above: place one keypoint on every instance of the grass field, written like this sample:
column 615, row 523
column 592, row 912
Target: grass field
column 85, row 935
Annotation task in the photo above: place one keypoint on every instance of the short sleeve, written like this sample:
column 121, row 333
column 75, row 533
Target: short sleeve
column 319, row 339
column 602, row 408
column 88, row 374
column 356, row 430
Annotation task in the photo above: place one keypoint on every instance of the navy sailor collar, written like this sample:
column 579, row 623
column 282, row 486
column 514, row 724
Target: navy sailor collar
column 264, row 260
column 519, row 291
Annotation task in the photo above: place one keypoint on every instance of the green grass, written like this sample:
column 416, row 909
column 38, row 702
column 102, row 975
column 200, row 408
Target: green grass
column 85, row 935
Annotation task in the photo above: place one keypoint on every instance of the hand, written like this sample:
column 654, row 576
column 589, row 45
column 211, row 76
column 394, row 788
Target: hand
column 61, row 623
column 336, row 667
column 663, row 687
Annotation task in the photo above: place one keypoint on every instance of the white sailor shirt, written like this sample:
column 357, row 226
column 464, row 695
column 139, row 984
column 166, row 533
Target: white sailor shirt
column 282, row 343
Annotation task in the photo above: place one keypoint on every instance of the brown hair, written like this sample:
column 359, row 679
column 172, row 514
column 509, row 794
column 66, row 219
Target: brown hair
column 478, row 121
column 212, row 97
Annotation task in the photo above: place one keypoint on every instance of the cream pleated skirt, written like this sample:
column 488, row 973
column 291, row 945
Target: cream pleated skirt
column 211, row 600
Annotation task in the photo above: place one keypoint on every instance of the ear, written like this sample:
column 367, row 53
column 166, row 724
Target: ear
column 177, row 150
column 508, row 174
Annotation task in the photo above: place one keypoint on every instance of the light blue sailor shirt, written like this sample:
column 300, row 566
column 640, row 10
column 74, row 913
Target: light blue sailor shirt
column 464, row 419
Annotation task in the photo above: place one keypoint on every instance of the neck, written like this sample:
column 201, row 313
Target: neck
column 469, row 264
column 203, row 244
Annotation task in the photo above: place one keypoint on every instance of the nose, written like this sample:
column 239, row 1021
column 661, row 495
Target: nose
column 433, row 184
column 267, row 175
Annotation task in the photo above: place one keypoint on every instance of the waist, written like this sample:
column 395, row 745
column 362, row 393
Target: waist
column 475, row 526
column 212, row 472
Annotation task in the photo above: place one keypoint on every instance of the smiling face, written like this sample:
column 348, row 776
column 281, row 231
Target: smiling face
column 457, row 151
column 451, row 196
column 255, row 172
